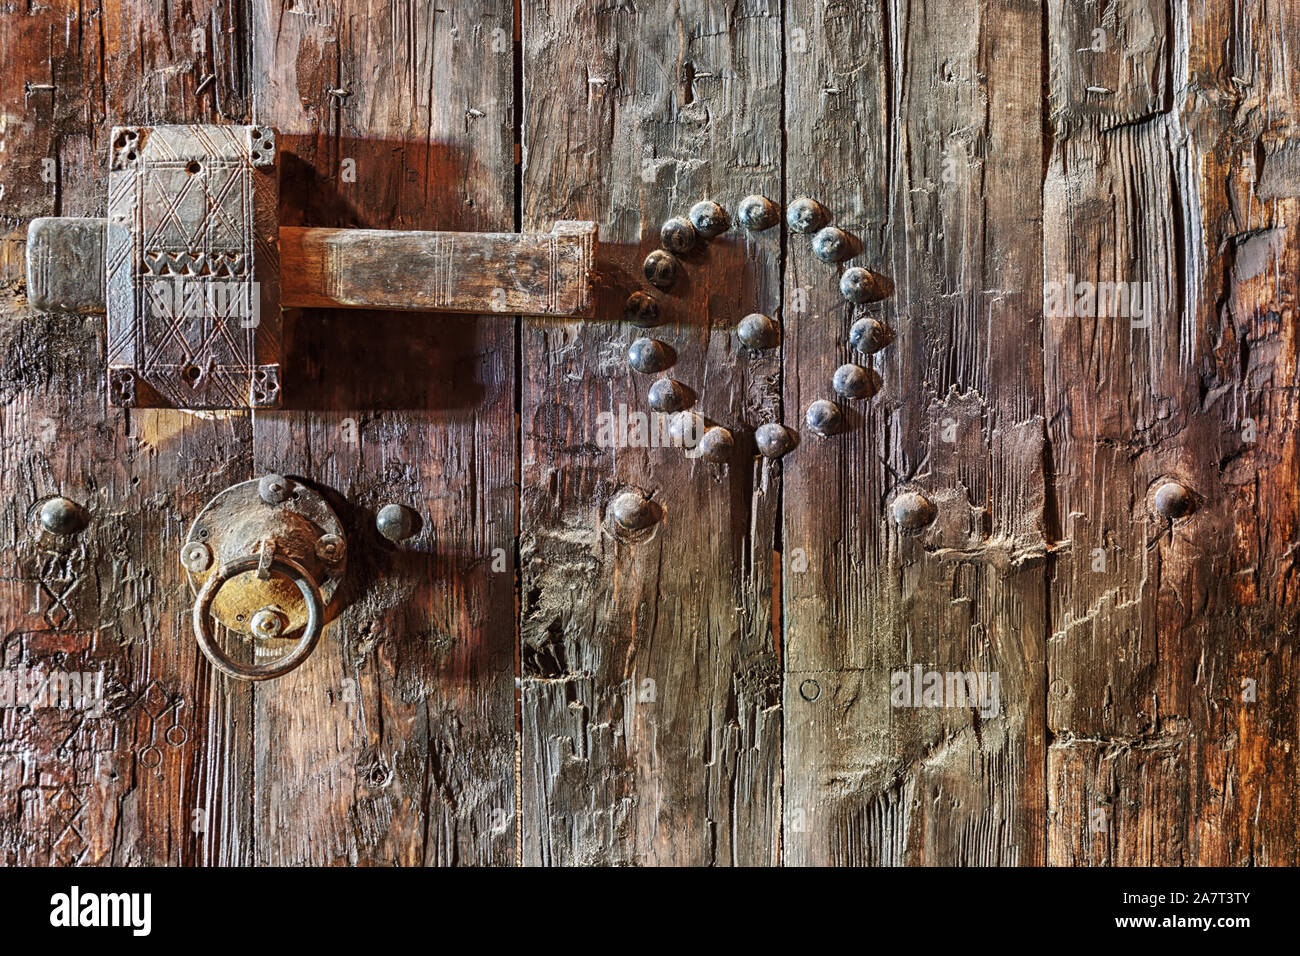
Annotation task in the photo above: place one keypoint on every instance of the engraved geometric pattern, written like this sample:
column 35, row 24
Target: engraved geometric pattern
column 192, row 258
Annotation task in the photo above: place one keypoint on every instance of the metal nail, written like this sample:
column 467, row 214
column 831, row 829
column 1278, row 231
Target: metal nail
column 633, row 511
column 806, row 215
column 63, row 516
column 668, row 396
column 823, row 417
column 678, row 235
column 274, row 489
column 266, row 623
column 869, row 336
column 649, row 355
column 709, row 219
column 1174, row 500
column 330, row 548
column 642, row 310
column 773, row 440
column 395, row 522
column 852, row 381
column 661, row 269
column 685, row 430
column 758, row 331
column 912, row 511
column 860, row 286
column 757, row 213
column 196, row 556
column 833, row 244
column 717, row 444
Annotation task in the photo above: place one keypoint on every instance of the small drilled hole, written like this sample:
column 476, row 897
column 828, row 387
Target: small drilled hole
column 193, row 166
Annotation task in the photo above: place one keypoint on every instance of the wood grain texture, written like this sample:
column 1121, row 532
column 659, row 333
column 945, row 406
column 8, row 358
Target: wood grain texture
column 547, row 273
column 395, row 742
column 651, row 711
column 916, row 125
column 1172, row 664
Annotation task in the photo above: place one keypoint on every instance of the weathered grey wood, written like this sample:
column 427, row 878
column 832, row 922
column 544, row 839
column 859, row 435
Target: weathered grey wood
column 916, row 125
column 395, row 742
column 650, row 701
column 1172, row 662
column 533, row 274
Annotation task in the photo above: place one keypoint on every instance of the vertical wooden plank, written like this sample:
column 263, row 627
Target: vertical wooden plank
column 157, row 774
column 917, row 126
column 395, row 742
column 1172, row 664
column 651, row 708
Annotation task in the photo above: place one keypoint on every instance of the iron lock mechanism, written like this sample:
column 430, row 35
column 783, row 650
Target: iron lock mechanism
column 264, row 558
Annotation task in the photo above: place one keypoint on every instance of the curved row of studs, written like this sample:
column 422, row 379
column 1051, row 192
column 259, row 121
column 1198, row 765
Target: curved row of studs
column 707, row 219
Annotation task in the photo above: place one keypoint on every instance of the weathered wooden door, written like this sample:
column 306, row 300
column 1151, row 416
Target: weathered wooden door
column 1072, row 481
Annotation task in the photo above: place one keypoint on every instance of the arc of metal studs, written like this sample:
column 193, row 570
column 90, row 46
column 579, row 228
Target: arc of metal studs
column 706, row 220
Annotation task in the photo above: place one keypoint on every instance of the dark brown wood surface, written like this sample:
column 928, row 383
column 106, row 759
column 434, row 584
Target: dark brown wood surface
column 524, row 681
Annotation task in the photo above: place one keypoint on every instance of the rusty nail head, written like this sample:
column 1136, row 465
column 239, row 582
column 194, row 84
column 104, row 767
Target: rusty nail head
column 1174, row 500
column 633, row 511
column 196, row 556
column 912, row 511
column 773, row 440
column 806, row 215
column 274, row 489
column 823, row 417
column 678, row 235
column 709, row 219
column 62, row 516
column 716, row 444
column 757, row 213
column 395, row 522
column 861, row 286
column 869, row 336
column 852, row 381
column 649, row 355
column 330, row 548
column 668, row 396
column 641, row 309
column 661, row 268
column 810, row 690
column 266, row 623
column 833, row 244
column 758, row 331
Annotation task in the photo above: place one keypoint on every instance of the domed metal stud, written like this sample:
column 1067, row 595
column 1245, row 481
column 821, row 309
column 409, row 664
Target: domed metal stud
column 709, row 219
column 668, row 396
column 1174, row 500
column 685, row 429
column 633, row 511
column 196, row 556
column 853, row 381
column 274, row 489
column 717, row 444
column 833, row 244
column 758, row 331
column 912, row 511
column 641, row 310
column 757, row 213
column 860, row 286
column 661, row 269
column 823, row 417
column 806, row 215
column 869, row 336
column 773, row 440
column 678, row 235
column 649, row 356
column 396, row 522
column 63, row 516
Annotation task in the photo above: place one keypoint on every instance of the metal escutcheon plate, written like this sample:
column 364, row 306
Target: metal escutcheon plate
column 235, row 524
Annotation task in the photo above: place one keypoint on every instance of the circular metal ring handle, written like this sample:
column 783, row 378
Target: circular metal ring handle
column 281, row 665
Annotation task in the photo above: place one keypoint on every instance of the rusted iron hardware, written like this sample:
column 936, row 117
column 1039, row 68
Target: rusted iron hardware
column 264, row 559
column 191, row 268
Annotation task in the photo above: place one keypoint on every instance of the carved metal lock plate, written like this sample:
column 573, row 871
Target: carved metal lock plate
column 265, row 559
column 192, row 268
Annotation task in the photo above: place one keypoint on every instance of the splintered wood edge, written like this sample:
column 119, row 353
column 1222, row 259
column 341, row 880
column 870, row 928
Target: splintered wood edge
column 548, row 274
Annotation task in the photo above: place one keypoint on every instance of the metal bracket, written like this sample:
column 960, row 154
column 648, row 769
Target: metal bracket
column 192, row 268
